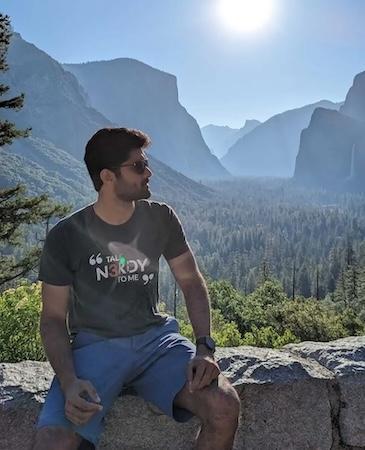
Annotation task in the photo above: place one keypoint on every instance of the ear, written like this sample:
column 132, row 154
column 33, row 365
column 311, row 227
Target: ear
column 107, row 176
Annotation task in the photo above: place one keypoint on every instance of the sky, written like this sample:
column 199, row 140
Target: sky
column 307, row 50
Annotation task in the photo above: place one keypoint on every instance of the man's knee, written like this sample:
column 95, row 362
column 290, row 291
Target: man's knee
column 56, row 438
column 222, row 405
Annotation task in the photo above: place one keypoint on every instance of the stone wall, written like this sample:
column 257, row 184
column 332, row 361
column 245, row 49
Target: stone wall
column 307, row 396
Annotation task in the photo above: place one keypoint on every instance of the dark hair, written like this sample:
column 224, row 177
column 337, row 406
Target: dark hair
column 110, row 147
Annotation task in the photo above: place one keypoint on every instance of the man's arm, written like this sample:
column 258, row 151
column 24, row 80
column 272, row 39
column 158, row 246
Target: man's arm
column 187, row 274
column 57, row 346
column 192, row 284
column 56, row 341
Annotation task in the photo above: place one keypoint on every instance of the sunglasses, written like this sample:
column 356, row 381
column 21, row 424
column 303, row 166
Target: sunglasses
column 138, row 166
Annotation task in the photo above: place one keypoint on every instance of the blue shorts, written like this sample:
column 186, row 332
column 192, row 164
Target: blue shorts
column 153, row 363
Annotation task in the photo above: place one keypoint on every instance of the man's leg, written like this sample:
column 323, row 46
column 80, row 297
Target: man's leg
column 105, row 363
column 56, row 438
column 164, row 383
column 218, row 407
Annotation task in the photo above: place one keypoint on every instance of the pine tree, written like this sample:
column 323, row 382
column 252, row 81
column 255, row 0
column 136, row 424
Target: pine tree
column 264, row 271
column 334, row 269
column 17, row 210
column 8, row 130
column 340, row 293
column 361, row 293
column 304, row 282
column 352, row 285
column 294, row 279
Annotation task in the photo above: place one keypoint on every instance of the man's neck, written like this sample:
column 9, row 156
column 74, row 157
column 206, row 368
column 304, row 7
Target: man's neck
column 112, row 211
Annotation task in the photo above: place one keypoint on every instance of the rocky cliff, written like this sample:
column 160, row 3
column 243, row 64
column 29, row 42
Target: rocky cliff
column 131, row 93
column 332, row 149
column 354, row 105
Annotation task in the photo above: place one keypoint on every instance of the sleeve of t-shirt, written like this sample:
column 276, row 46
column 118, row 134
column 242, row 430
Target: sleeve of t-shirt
column 55, row 261
column 176, row 243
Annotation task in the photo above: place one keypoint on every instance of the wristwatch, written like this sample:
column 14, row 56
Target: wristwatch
column 207, row 341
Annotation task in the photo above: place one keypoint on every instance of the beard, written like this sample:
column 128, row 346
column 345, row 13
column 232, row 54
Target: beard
column 132, row 193
column 146, row 192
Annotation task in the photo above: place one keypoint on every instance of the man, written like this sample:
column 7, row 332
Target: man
column 99, row 272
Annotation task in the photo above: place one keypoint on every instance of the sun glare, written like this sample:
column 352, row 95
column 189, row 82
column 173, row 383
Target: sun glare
column 245, row 15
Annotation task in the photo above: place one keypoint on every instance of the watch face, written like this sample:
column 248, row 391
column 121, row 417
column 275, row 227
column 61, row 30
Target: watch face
column 210, row 343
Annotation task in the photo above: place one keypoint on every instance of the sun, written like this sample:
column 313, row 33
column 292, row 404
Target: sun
column 245, row 15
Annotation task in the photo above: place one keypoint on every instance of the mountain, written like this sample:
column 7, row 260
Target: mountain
column 221, row 138
column 133, row 94
column 271, row 148
column 55, row 105
column 57, row 109
column 45, row 169
column 332, row 149
column 354, row 105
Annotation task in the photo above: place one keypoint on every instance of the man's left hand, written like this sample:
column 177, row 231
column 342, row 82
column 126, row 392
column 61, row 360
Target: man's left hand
column 202, row 370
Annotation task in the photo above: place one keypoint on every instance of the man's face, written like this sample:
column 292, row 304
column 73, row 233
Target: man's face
column 130, row 185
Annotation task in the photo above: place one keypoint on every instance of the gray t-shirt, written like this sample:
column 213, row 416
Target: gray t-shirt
column 113, row 269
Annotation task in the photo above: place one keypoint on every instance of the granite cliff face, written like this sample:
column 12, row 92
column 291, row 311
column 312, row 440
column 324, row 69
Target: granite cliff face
column 133, row 94
column 354, row 105
column 332, row 149
column 271, row 148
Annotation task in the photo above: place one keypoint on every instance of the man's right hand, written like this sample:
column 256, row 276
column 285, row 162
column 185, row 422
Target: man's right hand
column 81, row 401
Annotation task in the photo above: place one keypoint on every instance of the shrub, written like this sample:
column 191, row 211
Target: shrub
column 224, row 333
column 268, row 337
column 19, row 324
column 309, row 320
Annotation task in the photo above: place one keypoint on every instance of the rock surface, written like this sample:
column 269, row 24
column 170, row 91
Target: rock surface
column 305, row 396
column 345, row 358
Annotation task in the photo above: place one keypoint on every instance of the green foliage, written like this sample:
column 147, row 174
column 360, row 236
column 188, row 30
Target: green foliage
column 268, row 337
column 353, row 322
column 19, row 324
column 225, row 297
column 16, row 212
column 8, row 130
column 249, row 311
column 224, row 333
column 309, row 320
column 267, row 317
column 269, row 293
